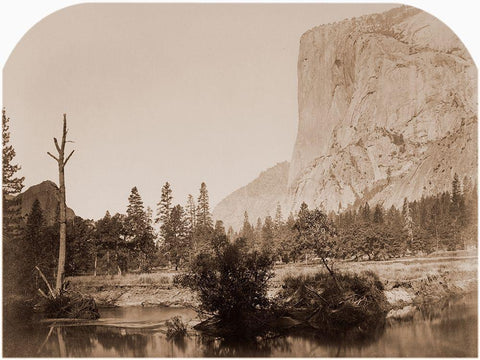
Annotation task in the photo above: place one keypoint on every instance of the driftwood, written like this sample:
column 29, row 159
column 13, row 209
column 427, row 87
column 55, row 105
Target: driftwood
column 356, row 307
column 66, row 304
column 52, row 293
column 69, row 304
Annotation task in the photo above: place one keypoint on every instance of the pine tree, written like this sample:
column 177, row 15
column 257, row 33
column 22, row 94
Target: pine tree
column 257, row 233
column 176, row 244
column 111, row 234
column 301, row 221
column 378, row 214
column 366, row 213
column 247, row 231
column 203, row 234
column 139, row 230
column 268, row 235
column 219, row 228
column 34, row 230
column 278, row 217
column 204, row 218
column 13, row 264
column 457, row 214
column 164, row 210
column 36, row 249
column 11, row 185
column 471, row 212
column 80, row 246
column 136, row 216
column 230, row 234
column 258, row 227
column 408, row 221
column 191, row 214
column 289, row 248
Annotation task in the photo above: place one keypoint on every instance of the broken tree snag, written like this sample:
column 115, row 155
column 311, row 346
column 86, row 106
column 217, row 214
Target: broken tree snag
column 62, row 161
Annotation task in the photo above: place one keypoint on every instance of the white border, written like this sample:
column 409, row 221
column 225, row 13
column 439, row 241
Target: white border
column 18, row 16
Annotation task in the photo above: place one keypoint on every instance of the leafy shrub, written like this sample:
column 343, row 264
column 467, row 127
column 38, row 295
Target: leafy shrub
column 231, row 282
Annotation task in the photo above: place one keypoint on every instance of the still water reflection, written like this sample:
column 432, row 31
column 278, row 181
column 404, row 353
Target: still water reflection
column 140, row 332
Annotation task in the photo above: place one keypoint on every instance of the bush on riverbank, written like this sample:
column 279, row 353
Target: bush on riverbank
column 352, row 304
column 231, row 284
column 70, row 304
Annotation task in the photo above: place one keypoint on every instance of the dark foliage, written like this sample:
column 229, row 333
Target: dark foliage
column 231, row 282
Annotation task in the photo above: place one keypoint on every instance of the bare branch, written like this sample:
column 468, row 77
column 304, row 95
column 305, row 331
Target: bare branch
column 68, row 157
column 56, row 144
column 52, row 156
column 52, row 293
column 43, row 294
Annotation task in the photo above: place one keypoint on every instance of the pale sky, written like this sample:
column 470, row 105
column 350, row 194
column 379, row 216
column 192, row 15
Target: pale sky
column 159, row 92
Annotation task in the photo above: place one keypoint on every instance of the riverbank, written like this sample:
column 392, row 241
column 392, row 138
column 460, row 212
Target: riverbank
column 410, row 283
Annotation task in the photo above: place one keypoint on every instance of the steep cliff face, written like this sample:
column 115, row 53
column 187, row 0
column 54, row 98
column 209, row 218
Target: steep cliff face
column 387, row 110
column 48, row 194
column 259, row 198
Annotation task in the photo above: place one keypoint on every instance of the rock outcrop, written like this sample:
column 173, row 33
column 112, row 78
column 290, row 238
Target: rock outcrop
column 48, row 194
column 387, row 109
column 259, row 198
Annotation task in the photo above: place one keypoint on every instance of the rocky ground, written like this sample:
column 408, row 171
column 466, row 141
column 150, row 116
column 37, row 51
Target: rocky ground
column 410, row 283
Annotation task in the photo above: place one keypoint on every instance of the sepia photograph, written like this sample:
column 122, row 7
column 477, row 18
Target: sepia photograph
column 240, row 180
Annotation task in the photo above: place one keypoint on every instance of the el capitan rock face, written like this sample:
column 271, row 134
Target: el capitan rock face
column 48, row 194
column 387, row 109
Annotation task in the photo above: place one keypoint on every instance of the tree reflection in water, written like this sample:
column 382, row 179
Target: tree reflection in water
column 259, row 347
column 294, row 343
column 453, row 333
column 123, row 342
column 85, row 341
column 88, row 341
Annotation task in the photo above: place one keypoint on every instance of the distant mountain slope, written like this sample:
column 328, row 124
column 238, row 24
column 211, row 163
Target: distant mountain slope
column 387, row 108
column 48, row 194
column 259, row 198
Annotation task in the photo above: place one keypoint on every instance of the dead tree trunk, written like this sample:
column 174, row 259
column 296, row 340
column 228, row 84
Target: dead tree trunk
column 62, row 161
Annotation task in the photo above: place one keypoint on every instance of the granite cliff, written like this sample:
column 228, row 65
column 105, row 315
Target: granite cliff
column 387, row 108
column 259, row 198
column 48, row 194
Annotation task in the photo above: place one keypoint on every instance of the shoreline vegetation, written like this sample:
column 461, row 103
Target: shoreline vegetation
column 410, row 283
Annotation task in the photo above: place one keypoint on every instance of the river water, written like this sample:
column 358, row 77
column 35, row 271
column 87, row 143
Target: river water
column 140, row 332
